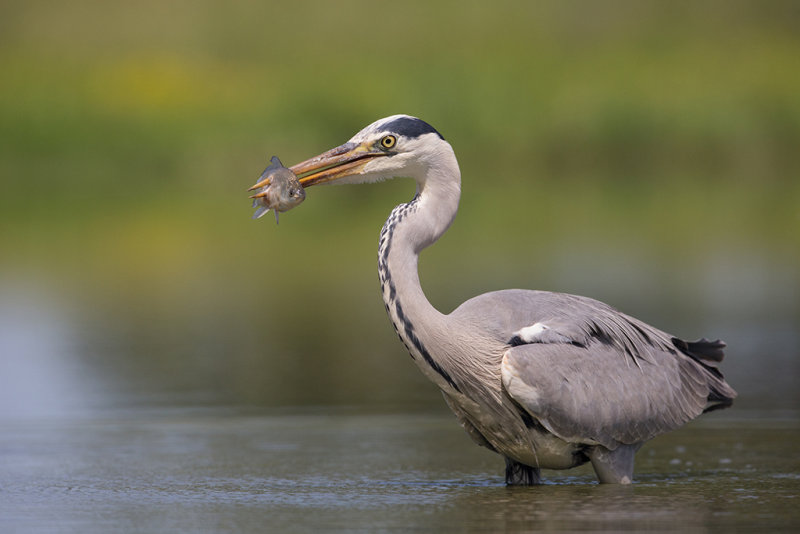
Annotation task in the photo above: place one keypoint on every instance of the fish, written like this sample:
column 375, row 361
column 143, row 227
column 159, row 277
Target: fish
column 278, row 190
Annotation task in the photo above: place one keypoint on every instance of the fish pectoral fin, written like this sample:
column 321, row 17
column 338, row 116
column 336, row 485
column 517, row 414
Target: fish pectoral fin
column 260, row 212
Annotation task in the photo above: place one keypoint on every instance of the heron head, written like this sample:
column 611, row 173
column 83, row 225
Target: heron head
column 393, row 147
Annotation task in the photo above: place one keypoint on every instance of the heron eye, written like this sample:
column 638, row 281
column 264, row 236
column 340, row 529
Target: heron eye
column 388, row 141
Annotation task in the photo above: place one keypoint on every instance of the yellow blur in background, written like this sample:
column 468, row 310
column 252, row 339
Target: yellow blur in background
column 642, row 153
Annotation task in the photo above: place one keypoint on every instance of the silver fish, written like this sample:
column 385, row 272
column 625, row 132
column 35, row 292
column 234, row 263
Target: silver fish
column 279, row 190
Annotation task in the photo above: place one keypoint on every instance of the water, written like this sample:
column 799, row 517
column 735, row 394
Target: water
column 120, row 411
column 231, row 471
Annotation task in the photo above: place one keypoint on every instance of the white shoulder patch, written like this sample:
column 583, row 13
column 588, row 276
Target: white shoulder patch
column 532, row 333
column 539, row 333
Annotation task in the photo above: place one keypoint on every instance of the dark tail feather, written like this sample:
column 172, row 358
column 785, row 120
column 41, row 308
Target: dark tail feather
column 709, row 354
column 720, row 395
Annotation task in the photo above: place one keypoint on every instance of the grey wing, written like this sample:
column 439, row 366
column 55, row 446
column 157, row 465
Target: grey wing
column 594, row 394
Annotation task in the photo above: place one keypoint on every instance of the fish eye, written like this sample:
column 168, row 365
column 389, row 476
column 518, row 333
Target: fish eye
column 388, row 141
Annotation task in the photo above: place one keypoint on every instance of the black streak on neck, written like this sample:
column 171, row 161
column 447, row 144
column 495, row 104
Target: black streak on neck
column 408, row 334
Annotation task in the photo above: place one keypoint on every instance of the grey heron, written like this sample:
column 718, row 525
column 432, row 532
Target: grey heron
column 546, row 380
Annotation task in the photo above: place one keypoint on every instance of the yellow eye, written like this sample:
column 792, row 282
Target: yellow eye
column 388, row 141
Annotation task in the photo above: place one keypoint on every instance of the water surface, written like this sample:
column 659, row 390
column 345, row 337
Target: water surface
column 212, row 471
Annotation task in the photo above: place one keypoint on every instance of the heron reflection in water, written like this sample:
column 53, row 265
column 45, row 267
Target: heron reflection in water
column 547, row 380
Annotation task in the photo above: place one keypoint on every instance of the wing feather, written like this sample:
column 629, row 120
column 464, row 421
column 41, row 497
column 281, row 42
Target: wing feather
column 588, row 395
column 591, row 374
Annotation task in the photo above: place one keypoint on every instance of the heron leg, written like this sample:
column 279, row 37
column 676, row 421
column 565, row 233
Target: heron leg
column 518, row 474
column 613, row 467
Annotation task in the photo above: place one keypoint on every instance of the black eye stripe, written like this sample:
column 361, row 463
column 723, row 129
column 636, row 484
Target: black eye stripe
column 409, row 127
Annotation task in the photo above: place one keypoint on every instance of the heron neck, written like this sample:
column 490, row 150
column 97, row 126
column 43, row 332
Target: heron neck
column 409, row 229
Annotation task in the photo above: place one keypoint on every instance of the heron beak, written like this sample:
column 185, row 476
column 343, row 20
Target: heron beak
column 345, row 160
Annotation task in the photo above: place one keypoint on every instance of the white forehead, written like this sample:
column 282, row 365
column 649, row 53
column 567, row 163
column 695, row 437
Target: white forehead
column 401, row 125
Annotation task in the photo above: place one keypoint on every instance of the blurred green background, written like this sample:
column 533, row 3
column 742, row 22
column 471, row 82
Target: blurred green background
column 642, row 153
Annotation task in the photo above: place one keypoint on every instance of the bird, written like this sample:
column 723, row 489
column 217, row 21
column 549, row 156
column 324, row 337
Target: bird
column 547, row 380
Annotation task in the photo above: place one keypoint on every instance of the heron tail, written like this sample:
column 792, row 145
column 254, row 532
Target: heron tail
column 709, row 354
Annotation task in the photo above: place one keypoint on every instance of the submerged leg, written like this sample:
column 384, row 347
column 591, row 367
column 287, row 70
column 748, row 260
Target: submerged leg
column 613, row 467
column 518, row 474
